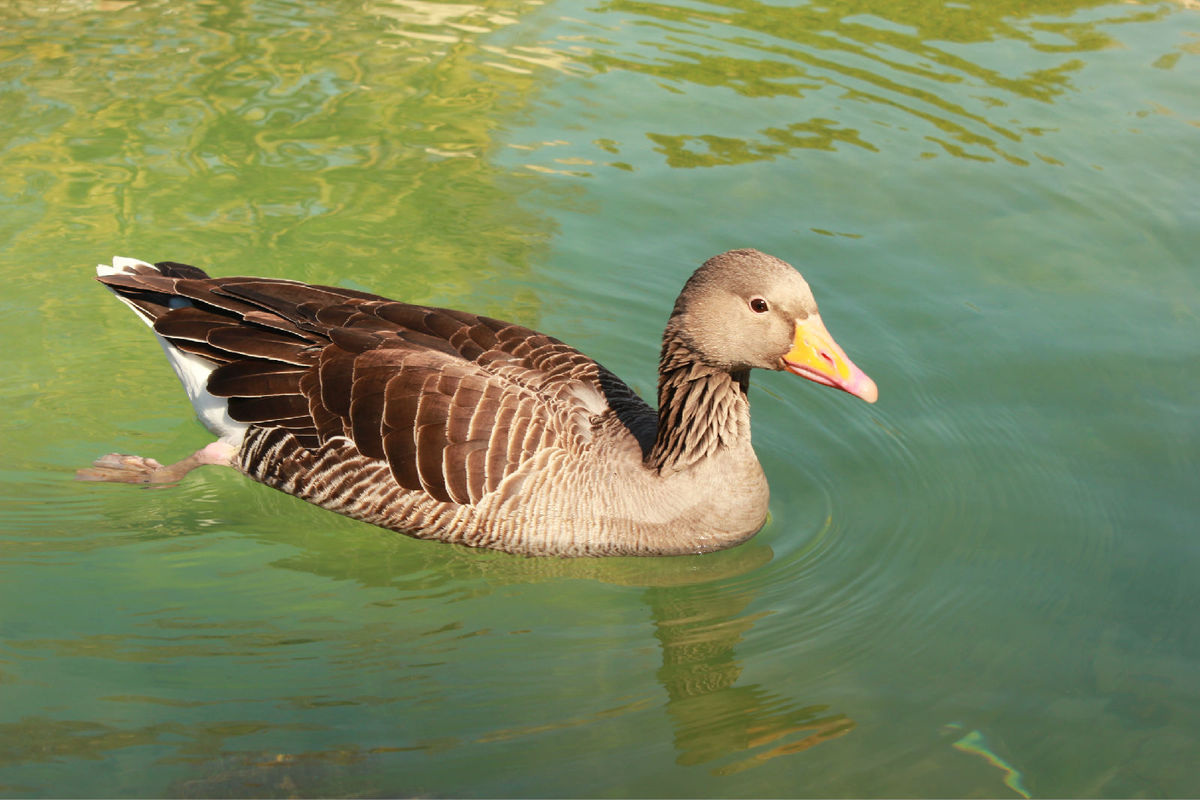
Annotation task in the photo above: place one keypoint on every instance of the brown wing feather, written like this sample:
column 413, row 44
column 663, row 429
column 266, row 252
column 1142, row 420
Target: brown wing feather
column 256, row 342
column 209, row 293
column 190, row 323
column 431, row 444
column 463, row 470
column 282, row 297
column 268, row 409
column 326, row 424
column 372, row 371
column 498, row 461
column 255, row 378
column 336, row 372
column 400, row 449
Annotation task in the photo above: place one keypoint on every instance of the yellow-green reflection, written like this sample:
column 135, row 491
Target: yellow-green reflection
column 908, row 61
column 250, row 138
column 227, row 132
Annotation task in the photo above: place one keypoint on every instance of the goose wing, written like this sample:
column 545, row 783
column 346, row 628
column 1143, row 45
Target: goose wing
column 453, row 402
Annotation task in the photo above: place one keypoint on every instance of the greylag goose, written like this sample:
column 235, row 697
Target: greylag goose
column 452, row 426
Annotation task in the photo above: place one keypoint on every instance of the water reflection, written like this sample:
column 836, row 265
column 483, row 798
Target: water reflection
column 970, row 81
column 701, row 609
column 249, row 127
column 716, row 720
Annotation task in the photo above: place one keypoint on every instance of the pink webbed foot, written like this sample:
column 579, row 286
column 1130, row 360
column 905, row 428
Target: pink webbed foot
column 120, row 468
column 123, row 468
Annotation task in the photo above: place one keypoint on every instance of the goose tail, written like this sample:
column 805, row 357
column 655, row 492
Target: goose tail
column 141, row 286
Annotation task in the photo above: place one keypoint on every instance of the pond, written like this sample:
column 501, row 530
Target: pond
column 984, row 585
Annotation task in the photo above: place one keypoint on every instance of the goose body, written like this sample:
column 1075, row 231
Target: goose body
column 447, row 425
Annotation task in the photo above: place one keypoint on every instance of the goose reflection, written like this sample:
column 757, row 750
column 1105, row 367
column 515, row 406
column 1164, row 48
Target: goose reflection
column 715, row 718
column 701, row 609
column 407, row 630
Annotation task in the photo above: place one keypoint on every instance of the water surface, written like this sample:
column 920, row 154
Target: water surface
column 984, row 585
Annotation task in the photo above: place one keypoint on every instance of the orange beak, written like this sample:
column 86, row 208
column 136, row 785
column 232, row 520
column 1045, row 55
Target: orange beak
column 816, row 356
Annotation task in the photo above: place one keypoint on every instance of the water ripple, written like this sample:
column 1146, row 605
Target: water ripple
column 872, row 77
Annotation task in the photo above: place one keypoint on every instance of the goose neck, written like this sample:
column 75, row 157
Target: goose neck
column 701, row 409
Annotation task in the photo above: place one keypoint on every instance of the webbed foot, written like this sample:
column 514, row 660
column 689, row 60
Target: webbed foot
column 124, row 468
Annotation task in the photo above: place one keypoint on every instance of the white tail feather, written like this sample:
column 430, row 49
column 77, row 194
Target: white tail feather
column 193, row 371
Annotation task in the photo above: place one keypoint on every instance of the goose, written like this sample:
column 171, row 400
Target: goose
column 451, row 426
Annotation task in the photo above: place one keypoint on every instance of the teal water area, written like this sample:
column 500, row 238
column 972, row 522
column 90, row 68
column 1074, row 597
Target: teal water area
column 985, row 585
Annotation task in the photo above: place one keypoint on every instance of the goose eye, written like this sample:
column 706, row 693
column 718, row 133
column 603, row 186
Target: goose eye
column 758, row 305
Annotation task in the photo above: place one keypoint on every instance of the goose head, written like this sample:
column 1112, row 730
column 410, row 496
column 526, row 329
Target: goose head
column 745, row 309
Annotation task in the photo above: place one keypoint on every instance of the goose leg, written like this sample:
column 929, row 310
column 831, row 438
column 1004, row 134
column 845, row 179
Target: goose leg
column 122, row 468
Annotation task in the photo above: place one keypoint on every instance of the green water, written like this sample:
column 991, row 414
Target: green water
column 983, row 586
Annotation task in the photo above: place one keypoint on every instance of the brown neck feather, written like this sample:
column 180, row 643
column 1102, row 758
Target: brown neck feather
column 701, row 409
